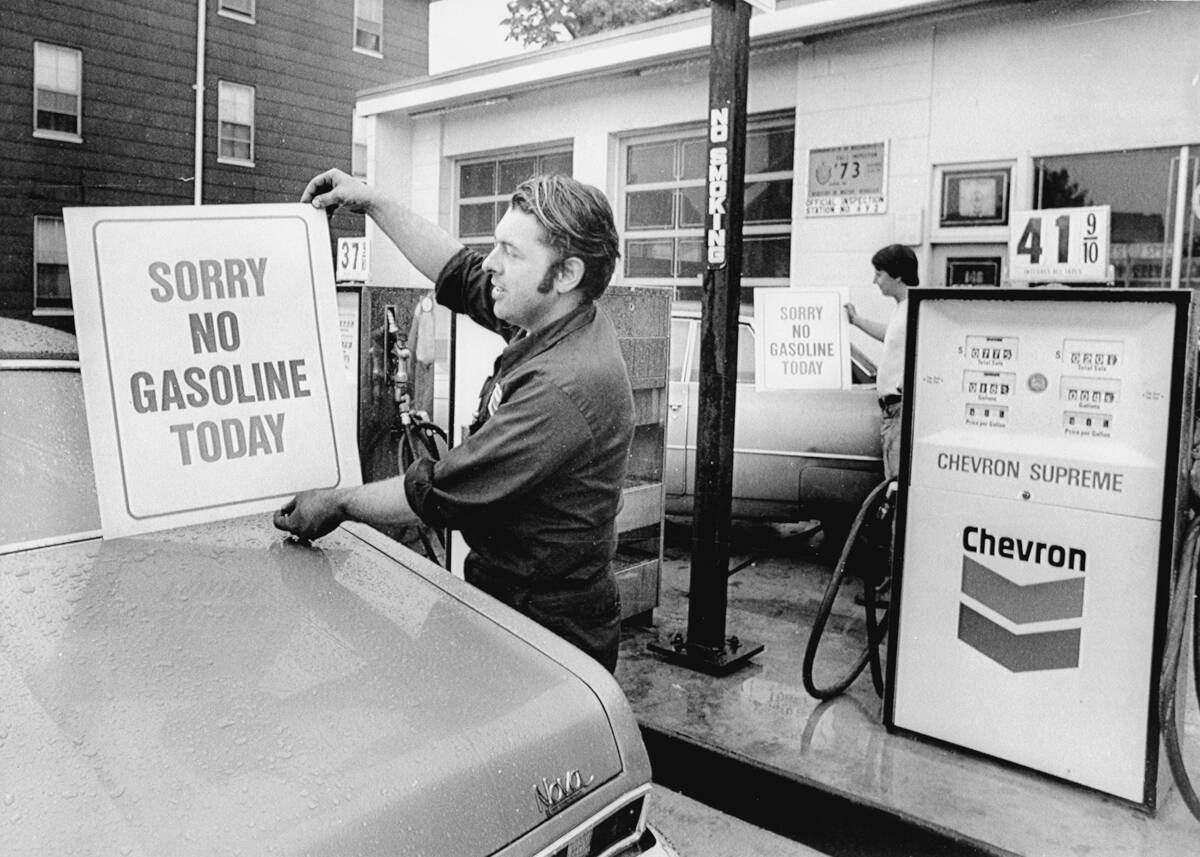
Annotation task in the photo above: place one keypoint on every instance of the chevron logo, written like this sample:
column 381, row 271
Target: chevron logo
column 1021, row 604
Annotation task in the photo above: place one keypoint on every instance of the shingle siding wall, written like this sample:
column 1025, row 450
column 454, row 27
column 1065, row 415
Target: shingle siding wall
column 139, row 62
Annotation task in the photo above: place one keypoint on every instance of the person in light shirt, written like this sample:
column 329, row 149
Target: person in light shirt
column 895, row 271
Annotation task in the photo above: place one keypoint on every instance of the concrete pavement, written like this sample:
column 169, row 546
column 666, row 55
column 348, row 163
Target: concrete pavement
column 693, row 829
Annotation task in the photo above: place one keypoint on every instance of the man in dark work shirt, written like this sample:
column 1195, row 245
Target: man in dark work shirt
column 536, row 486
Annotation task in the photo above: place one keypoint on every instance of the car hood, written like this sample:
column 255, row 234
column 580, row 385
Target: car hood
column 220, row 690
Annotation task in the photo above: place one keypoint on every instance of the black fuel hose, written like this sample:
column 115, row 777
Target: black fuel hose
column 1183, row 596
column 875, row 627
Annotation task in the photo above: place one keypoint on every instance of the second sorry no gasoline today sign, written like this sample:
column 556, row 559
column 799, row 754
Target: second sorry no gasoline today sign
column 215, row 352
column 801, row 340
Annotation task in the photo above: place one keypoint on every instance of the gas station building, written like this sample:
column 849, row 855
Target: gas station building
column 938, row 125
column 918, row 122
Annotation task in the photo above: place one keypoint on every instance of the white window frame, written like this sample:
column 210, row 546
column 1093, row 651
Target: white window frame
column 43, row 50
column 376, row 26
column 224, row 10
column 783, row 228
column 548, row 149
column 228, row 88
column 359, row 141
column 38, row 251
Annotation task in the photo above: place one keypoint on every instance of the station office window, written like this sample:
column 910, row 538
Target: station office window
column 243, row 10
column 663, row 207
column 236, row 124
column 57, row 89
column 485, row 186
column 368, row 26
column 51, row 278
column 1140, row 185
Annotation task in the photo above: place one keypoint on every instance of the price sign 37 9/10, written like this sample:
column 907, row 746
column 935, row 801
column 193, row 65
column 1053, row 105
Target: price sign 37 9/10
column 1068, row 245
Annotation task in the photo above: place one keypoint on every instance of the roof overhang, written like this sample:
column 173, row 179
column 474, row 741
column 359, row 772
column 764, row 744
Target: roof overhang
column 665, row 42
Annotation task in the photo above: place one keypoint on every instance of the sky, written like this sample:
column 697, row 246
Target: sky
column 466, row 32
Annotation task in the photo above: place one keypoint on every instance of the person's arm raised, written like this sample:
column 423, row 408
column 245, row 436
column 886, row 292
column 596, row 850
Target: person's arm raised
column 873, row 329
column 425, row 244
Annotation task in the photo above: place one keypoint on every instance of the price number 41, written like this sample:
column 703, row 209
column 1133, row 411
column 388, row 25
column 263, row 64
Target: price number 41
column 1030, row 243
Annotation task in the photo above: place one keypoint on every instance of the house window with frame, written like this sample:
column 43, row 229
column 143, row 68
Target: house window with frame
column 368, row 27
column 57, row 92
column 663, row 207
column 243, row 10
column 235, row 123
column 51, row 277
column 485, row 186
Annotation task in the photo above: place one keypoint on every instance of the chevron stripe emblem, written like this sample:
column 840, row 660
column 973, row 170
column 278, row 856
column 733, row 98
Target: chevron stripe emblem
column 1021, row 604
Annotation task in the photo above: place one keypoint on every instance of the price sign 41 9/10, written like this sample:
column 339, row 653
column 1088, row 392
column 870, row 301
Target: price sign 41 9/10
column 1066, row 245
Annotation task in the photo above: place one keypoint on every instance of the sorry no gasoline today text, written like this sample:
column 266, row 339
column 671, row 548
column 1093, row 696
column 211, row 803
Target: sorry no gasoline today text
column 170, row 389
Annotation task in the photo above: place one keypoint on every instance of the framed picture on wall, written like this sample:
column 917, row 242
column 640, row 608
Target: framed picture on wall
column 975, row 197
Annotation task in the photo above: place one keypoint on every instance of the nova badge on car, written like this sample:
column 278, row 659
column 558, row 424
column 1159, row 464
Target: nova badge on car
column 553, row 796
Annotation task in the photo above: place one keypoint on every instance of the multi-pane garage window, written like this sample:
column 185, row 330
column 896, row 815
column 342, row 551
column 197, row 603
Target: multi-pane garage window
column 664, row 206
column 236, row 123
column 57, row 88
column 486, row 185
column 51, row 279
column 368, row 26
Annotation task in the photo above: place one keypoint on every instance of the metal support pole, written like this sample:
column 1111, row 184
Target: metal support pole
column 707, row 647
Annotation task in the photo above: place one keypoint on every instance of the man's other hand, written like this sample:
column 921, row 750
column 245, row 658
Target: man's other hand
column 311, row 514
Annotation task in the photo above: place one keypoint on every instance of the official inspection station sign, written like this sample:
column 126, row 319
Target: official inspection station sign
column 209, row 350
column 846, row 180
column 801, row 340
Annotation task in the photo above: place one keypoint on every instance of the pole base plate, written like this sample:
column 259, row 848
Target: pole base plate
column 732, row 656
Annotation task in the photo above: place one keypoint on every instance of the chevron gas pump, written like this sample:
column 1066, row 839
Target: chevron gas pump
column 1040, row 500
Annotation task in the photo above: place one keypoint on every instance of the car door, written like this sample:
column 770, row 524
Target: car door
column 753, row 475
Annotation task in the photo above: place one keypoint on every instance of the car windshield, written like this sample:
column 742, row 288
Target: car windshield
column 47, row 486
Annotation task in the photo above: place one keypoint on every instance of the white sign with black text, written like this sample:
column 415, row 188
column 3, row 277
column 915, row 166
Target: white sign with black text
column 353, row 265
column 845, row 180
column 800, row 340
column 209, row 351
column 1060, row 245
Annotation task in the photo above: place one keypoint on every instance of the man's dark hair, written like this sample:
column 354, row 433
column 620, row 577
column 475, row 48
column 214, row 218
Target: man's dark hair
column 578, row 221
column 898, row 261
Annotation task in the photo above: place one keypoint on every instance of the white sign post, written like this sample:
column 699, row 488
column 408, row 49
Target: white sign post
column 1060, row 245
column 801, row 340
column 209, row 347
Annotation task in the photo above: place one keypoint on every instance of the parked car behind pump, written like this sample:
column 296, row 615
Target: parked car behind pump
column 218, row 689
column 798, row 454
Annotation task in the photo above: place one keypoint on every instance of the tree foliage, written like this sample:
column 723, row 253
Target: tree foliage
column 1058, row 191
column 544, row 22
